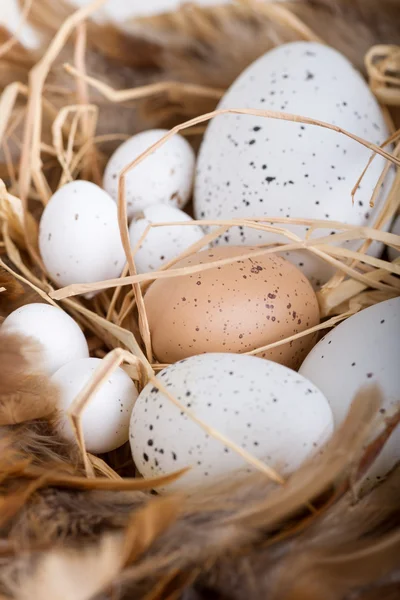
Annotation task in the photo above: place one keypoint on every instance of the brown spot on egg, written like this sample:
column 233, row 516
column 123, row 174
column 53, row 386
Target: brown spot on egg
column 238, row 319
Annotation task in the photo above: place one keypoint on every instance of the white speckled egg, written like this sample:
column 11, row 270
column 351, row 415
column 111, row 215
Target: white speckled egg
column 392, row 252
column 79, row 236
column 61, row 338
column 165, row 176
column 266, row 408
column 363, row 349
column 161, row 244
column 256, row 167
column 105, row 419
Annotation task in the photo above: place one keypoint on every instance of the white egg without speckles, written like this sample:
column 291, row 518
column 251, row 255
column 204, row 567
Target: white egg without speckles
column 161, row 244
column 166, row 176
column 363, row 349
column 257, row 167
column 79, row 237
column 266, row 408
column 105, row 419
column 61, row 338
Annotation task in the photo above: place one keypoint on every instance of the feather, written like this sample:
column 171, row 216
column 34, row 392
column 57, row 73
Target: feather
column 64, row 574
column 25, row 392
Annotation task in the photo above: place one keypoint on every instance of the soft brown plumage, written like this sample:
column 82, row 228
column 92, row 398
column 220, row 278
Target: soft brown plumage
column 66, row 537
column 208, row 46
column 253, row 540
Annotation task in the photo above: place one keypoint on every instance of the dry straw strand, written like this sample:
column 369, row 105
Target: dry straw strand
column 247, row 456
column 145, row 91
column 30, row 168
column 76, row 289
column 13, row 41
column 109, row 364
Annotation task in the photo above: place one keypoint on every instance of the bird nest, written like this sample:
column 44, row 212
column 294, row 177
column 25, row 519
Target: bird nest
column 75, row 525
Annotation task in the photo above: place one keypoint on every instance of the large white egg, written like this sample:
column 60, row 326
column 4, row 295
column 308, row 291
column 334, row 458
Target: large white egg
column 258, row 167
column 79, row 237
column 161, row 244
column 60, row 336
column 392, row 252
column 266, row 408
column 166, row 176
column 361, row 350
column 105, row 420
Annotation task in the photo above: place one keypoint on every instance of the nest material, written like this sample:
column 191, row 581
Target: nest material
column 67, row 536
column 71, row 526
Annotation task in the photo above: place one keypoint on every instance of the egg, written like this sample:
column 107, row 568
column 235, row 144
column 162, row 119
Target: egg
column 392, row 252
column 79, row 237
column 236, row 307
column 161, row 244
column 265, row 408
column 105, row 420
column 361, row 350
column 60, row 336
column 165, row 176
column 257, row 167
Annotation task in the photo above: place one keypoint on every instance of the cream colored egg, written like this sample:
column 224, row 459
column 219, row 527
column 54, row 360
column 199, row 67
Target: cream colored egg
column 61, row 338
column 265, row 408
column 79, row 237
column 105, row 420
column 161, row 244
column 364, row 349
column 166, row 176
column 251, row 166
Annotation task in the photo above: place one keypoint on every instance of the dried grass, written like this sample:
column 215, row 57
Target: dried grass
column 74, row 146
column 118, row 322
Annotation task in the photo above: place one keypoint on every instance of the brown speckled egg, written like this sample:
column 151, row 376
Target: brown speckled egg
column 236, row 307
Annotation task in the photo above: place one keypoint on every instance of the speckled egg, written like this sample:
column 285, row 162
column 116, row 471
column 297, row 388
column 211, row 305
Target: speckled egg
column 265, row 408
column 161, row 244
column 165, row 176
column 61, row 338
column 79, row 237
column 236, row 307
column 105, row 420
column 363, row 349
column 253, row 166
column 392, row 252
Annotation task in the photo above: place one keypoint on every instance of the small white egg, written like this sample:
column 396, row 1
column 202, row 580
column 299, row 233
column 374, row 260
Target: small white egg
column 161, row 244
column 363, row 349
column 392, row 252
column 79, row 237
column 266, row 408
column 61, row 338
column 166, row 176
column 105, row 419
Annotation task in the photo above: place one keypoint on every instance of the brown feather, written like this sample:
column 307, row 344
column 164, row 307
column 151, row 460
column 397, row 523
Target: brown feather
column 208, row 46
column 63, row 535
column 25, row 392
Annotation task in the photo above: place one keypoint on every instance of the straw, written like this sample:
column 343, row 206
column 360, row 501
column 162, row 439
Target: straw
column 14, row 39
column 359, row 278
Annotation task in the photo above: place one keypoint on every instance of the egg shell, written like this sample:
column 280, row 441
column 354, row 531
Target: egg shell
column 392, row 252
column 79, row 237
column 105, row 419
column 265, row 408
column 362, row 350
column 60, row 336
column 236, row 307
column 166, row 176
column 161, row 244
column 258, row 167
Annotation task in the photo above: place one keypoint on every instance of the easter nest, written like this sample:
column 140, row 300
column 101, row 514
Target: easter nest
column 75, row 525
